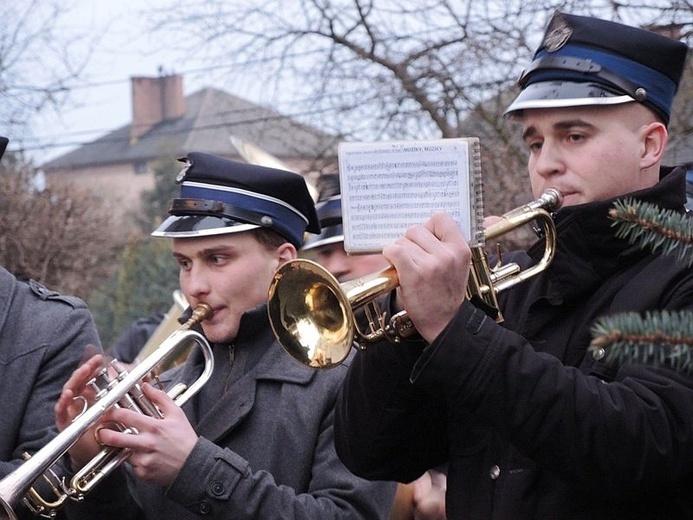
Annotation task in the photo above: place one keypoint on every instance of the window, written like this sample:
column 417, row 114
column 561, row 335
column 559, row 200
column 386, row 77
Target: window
column 140, row 167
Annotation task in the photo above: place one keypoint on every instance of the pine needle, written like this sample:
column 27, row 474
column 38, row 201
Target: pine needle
column 660, row 338
column 665, row 231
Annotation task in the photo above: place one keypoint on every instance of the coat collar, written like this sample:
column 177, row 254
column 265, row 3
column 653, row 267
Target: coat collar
column 255, row 333
column 273, row 365
column 587, row 250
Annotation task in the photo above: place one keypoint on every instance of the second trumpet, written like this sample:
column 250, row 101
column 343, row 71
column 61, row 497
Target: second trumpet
column 122, row 390
column 312, row 314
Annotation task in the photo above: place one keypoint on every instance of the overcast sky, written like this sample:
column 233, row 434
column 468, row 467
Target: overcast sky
column 125, row 50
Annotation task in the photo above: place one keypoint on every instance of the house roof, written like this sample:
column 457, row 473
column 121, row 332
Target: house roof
column 211, row 117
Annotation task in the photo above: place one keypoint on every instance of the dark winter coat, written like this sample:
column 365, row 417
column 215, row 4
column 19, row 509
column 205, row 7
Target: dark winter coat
column 532, row 426
column 43, row 338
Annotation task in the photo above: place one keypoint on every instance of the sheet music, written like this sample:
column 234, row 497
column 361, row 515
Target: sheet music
column 389, row 186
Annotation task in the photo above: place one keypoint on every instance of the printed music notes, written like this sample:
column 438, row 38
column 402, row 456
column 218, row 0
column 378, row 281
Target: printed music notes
column 390, row 186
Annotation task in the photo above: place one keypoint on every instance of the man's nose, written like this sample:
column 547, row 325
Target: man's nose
column 548, row 162
column 198, row 282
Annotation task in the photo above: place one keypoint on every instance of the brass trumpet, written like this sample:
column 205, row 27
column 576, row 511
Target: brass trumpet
column 312, row 314
column 122, row 391
column 167, row 326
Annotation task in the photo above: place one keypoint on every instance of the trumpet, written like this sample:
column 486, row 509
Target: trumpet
column 312, row 314
column 167, row 326
column 124, row 390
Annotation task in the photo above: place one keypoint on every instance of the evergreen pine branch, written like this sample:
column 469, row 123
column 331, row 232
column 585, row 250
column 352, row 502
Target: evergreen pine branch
column 661, row 230
column 660, row 338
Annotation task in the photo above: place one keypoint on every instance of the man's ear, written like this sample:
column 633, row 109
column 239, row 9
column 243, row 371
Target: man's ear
column 655, row 137
column 286, row 252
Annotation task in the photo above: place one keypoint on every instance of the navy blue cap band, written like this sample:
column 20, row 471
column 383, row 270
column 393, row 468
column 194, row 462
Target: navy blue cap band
column 330, row 211
column 256, row 208
column 577, row 63
column 222, row 205
column 262, row 204
column 331, row 228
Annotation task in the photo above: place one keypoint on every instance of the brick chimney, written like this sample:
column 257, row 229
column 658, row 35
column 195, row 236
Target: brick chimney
column 155, row 100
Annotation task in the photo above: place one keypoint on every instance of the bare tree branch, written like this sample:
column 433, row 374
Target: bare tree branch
column 62, row 236
column 384, row 69
column 39, row 62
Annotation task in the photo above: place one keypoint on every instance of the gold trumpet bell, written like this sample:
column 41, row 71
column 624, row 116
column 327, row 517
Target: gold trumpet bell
column 310, row 314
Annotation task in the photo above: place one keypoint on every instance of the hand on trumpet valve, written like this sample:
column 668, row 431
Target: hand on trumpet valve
column 432, row 262
column 158, row 446
column 158, row 439
column 75, row 395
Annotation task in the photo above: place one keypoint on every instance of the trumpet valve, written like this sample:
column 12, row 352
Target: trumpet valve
column 402, row 327
column 501, row 272
column 177, row 390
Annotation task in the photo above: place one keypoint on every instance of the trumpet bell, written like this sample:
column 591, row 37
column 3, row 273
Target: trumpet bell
column 310, row 314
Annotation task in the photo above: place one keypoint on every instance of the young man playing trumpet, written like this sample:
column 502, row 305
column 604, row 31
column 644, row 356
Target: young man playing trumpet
column 256, row 442
column 530, row 423
column 423, row 499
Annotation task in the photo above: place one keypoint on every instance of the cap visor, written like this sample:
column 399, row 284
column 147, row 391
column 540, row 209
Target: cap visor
column 322, row 242
column 560, row 94
column 199, row 226
column 329, row 235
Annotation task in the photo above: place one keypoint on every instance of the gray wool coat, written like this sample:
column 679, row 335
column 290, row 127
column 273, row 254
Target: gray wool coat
column 266, row 446
column 43, row 337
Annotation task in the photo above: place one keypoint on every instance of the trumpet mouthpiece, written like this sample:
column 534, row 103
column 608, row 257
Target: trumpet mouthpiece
column 551, row 199
column 201, row 312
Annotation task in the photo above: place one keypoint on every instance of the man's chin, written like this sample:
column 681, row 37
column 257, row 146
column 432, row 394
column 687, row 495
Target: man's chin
column 218, row 334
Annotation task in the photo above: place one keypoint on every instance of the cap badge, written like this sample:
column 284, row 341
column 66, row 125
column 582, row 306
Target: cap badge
column 181, row 174
column 557, row 34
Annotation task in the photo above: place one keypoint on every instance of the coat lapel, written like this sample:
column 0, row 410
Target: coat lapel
column 235, row 404
column 228, row 411
column 239, row 400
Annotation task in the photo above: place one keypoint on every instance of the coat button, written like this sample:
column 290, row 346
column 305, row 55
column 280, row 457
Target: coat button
column 205, row 508
column 217, row 489
column 494, row 473
column 598, row 354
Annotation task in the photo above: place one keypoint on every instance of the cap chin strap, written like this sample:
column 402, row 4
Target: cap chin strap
column 583, row 66
column 216, row 208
